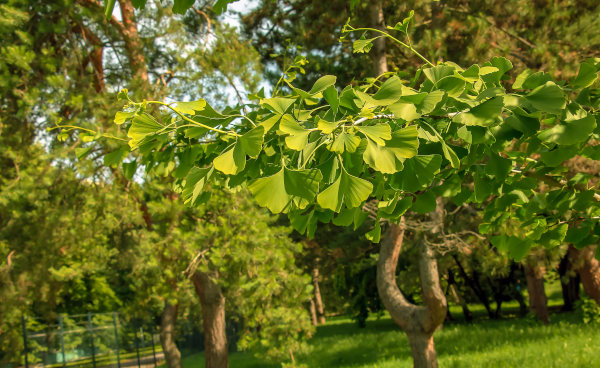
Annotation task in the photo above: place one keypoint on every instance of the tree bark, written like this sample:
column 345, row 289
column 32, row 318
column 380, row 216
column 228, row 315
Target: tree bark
column 418, row 321
column 213, row 319
column 133, row 43
column 378, row 54
column 457, row 298
column 167, row 336
column 569, row 281
column 313, row 312
column 317, row 291
column 588, row 268
column 537, row 295
column 473, row 283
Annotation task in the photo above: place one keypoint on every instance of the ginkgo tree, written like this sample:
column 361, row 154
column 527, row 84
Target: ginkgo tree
column 465, row 133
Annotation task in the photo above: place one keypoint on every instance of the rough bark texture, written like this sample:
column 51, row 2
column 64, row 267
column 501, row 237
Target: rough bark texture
column 318, row 301
column 588, row 268
column 377, row 53
column 569, row 282
column 167, row 336
column 213, row 319
column 133, row 42
column 418, row 321
column 538, row 303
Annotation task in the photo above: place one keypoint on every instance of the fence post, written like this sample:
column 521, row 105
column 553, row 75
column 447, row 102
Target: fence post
column 116, row 338
column 137, row 347
column 62, row 339
column 91, row 331
column 25, row 341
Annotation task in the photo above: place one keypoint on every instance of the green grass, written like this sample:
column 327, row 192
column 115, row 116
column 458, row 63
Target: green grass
column 509, row 342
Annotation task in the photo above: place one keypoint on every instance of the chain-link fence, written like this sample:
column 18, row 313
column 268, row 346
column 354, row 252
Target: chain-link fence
column 90, row 340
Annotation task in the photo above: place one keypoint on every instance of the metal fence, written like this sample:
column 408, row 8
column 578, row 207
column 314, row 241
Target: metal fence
column 90, row 340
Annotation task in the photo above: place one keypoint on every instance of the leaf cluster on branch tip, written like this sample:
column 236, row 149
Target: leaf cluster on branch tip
column 467, row 134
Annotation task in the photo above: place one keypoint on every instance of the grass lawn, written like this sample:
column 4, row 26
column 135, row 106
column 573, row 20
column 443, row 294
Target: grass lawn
column 509, row 342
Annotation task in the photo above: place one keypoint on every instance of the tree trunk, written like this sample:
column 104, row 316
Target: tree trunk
column 537, row 294
column 317, row 291
column 313, row 312
column 473, row 283
column 423, row 350
column 133, row 43
column 418, row 321
column 213, row 319
column 569, row 282
column 378, row 54
column 463, row 304
column 588, row 268
column 167, row 336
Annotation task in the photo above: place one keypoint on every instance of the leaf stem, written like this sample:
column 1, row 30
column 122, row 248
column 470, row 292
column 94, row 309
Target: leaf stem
column 233, row 134
column 408, row 46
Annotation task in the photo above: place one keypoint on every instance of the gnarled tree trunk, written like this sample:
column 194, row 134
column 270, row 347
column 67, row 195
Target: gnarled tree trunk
column 317, row 291
column 213, row 319
column 588, row 268
column 167, row 336
column 537, row 295
column 418, row 321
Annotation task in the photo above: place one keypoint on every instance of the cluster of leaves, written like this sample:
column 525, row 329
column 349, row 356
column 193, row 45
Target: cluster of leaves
column 318, row 155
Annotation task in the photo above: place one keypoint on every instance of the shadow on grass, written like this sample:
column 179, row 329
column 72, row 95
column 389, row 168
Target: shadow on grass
column 342, row 344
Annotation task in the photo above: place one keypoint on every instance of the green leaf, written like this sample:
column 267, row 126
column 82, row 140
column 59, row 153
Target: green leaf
column 403, row 26
column 221, row 6
column 362, row 45
column 109, row 5
column 278, row 104
column 419, row 172
column 331, row 96
column 483, row 114
column 231, row 161
column 548, row 98
column 194, row 184
column 454, row 86
column 517, row 248
column 115, row 157
column 404, row 110
column 379, row 133
column 121, row 117
column 569, row 132
column 142, row 126
column 138, row 4
column 425, row 203
column 404, row 142
column 252, row 141
column 436, row 73
column 322, row 84
column 558, row 155
column 346, row 190
column 276, row 192
column 326, row 127
column 344, row 142
column 298, row 136
column 389, row 92
column 81, row 152
column 129, row 169
column 374, row 236
column 381, row 158
column 181, row 6
column 450, row 155
column 191, row 107
column 586, row 76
